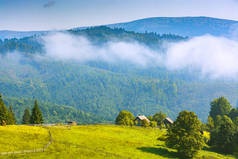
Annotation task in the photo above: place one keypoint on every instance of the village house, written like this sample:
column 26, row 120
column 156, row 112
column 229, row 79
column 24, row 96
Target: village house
column 139, row 118
column 72, row 123
column 168, row 122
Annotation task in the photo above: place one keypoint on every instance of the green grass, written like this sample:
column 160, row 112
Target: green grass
column 106, row 141
column 15, row 138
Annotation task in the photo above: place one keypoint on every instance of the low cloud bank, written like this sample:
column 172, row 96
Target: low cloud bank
column 214, row 57
column 67, row 47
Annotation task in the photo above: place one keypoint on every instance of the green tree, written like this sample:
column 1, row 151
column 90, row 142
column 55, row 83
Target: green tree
column 11, row 117
column 26, row 118
column 36, row 115
column 185, row 134
column 233, row 113
column 125, row 118
column 3, row 112
column 223, row 135
column 220, row 106
column 153, row 124
column 210, row 124
column 159, row 118
column 144, row 123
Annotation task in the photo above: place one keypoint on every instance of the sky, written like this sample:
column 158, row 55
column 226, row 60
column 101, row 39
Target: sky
column 29, row 15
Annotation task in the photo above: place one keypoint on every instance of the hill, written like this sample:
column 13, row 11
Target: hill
column 185, row 26
column 101, row 88
column 92, row 141
column 8, row 34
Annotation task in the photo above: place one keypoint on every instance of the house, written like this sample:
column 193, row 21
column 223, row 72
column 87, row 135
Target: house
column 139, row 118
column 168, row 122
column 72, row 123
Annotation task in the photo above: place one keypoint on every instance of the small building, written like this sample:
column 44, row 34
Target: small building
column 168, row 122
column 72, row 123
column 139, row 118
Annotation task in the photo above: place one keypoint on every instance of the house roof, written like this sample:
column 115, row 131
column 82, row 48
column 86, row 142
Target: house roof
column 142, row 117
column 169, row 120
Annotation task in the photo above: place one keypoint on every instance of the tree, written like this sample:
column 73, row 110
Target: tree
column 233, row 113
column 153, row 124
column 144, row 123
column 26, row 117
column 220, row 106
column 159, row 118
column 11, row 117
column 125, row 118
column 36, row 115
column 3, row 112
column 222, row 137
column 210, row 124
column 185, row 134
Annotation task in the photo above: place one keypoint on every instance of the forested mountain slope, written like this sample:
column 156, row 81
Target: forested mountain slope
column 101, row 88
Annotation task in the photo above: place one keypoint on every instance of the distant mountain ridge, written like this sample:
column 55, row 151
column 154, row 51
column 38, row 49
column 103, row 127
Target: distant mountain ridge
column 184, row 26
column 8, row 34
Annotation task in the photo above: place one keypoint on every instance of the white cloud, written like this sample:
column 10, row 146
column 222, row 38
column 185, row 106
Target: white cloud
column 213, row 57
column 65, row 46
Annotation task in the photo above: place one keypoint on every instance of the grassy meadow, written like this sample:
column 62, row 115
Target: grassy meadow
column 91, row 141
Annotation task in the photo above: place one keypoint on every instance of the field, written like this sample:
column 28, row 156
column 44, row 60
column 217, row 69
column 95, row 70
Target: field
column 90, row 141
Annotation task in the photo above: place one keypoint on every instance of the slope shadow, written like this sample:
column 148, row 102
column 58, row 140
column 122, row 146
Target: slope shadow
column 159, row 151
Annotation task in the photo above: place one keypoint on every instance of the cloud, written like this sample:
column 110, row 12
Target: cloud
column 68, row 47
column 213, row 57
column 49, row 4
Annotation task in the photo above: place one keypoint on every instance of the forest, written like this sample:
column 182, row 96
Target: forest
column 98, row 89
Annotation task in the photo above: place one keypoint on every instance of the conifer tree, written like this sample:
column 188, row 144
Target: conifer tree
column 11, row 117
column 26, row 117
column 3, row 112
column 36, row 115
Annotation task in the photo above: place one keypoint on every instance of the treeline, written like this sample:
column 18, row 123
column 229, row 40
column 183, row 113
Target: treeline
column 187, row 132
column 52, row 113
column 7, row 117
column 189, row 135
column 97, row 35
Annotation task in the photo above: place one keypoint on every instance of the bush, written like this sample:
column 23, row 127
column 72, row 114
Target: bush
column 125, row 118
column 153, row 124
column 144, row 123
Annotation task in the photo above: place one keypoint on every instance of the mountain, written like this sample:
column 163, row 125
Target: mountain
column 101, row 88
column 7, row 34
column 184, row 26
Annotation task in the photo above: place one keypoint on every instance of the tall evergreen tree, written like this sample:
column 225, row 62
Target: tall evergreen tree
column 11, row 117
column 36, row 115
column 26, row 117
column 3, row 112
column 220, row 106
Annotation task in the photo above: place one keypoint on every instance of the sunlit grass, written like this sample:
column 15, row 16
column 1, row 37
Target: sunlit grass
column 15, row 138
column 106, row 141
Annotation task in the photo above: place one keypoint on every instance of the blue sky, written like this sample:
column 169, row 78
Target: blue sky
column 28, row 15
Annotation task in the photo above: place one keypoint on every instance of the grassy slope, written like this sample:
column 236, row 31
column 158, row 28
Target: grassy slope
column 106, row 141
column 16, row 138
